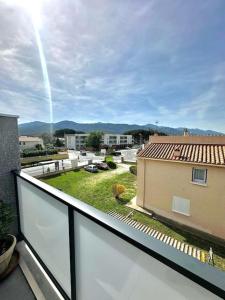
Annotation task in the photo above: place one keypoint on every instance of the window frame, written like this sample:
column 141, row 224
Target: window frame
column 185, row 201
column 200, row 181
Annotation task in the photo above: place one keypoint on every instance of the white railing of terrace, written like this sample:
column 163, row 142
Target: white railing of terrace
column 91, row 255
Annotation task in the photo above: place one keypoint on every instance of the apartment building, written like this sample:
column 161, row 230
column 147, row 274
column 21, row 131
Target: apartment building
column 75, row 141
column 182, row 179
column 78, row 141
column 117, row 139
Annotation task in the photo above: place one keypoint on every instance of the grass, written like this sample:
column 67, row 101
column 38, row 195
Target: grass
column 26, row 161
column 96, row 190
column 108, row 158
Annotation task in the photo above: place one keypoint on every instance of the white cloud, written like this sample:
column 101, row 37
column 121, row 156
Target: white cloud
column 146, row 60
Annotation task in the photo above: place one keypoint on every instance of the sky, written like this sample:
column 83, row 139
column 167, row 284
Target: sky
column 134, row 62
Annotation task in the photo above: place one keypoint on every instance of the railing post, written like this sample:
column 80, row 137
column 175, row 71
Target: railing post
column 72, row 252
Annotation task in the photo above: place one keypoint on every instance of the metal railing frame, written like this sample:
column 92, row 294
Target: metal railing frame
column 213, row 281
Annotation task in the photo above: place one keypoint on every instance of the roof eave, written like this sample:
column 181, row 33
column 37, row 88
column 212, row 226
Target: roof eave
column 182, row 162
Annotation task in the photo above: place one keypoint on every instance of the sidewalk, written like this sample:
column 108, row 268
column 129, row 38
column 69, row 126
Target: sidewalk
column 132, row 204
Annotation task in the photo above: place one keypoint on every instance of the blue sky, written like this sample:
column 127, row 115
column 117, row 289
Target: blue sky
column 116, row 61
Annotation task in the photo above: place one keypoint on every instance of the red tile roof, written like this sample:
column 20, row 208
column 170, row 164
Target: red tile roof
column 192, row 153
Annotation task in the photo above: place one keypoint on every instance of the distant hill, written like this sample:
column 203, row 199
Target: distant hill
column 38, row 128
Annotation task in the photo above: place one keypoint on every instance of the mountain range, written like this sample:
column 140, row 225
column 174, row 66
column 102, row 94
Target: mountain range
column 38, row 128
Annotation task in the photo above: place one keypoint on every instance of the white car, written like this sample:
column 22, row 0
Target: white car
column 91, row 168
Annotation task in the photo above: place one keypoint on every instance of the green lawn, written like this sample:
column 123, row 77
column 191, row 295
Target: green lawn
column 108, row 158
column 96, row 190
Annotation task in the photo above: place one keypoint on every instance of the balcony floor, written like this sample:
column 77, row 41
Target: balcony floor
column 15, row 286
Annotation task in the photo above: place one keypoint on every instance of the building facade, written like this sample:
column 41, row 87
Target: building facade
column 182, row 179
column 30, row 142
column 78, row 141
column 117, row 139
column 75, row 141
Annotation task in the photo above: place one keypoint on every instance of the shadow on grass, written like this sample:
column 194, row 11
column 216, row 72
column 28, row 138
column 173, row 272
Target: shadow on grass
column 197, row 241
column 121, row 201
column 51, row 176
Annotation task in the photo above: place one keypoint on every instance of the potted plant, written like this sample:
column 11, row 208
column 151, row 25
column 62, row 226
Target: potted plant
column 7, row 241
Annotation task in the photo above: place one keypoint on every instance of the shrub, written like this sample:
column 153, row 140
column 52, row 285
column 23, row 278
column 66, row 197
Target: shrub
column 117, row 190
column 6, row 219
column 111, row 164
column 133, row 170
column 39, row 147
column 31, row 153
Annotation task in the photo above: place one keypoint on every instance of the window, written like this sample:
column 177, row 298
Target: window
column 181, row 205
column 199, row 175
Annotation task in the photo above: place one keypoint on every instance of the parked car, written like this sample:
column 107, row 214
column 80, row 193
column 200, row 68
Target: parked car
column 102, row 166
column 91, row 168
column 83, row 153
column 118, row 153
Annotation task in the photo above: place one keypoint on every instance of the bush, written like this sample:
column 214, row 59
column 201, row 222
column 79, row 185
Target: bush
column 39, row 147
column 6, row 219
column 133, row 170
column 111, row 164
column 31, row 153
column 117, row 190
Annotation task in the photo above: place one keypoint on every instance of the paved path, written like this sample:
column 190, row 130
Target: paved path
column 121, row 168
column 132, row 204
column 42, row 167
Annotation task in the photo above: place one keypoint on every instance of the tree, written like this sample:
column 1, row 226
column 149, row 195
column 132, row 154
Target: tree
column 62, row 132
column 38, row 147
column 94, row 140
column 47, row 138
column 58, row 143
column 142, row 135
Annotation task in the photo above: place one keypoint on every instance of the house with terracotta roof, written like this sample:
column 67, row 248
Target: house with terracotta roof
column 30, row 142
column 182, row 179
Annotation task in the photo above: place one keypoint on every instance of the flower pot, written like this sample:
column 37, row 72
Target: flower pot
column 6, row 256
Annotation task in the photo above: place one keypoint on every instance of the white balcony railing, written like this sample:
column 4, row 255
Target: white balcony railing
column 90, row 255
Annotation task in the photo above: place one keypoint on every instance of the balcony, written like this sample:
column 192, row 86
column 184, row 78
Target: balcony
column 87, row 254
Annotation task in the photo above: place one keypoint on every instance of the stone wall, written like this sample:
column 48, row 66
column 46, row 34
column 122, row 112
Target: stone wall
column 9, row 160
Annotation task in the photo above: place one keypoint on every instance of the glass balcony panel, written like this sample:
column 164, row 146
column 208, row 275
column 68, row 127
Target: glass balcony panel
column 44, row 223
column 108, row 267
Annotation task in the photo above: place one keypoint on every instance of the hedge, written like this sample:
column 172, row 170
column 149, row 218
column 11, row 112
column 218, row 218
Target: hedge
column 133, row 170
column 30, row 153
column 111, row 164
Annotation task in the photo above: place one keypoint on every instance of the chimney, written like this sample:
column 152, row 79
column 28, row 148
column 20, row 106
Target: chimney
column 186, row 132
column 176, row 152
